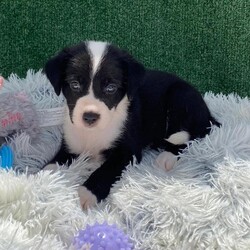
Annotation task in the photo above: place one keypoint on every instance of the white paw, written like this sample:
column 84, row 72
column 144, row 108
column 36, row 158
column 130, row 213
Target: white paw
column 52, row 167
column 87, row 198
column 166, row 160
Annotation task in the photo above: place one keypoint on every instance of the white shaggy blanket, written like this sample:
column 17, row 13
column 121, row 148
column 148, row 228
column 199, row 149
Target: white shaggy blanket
column 204, row 203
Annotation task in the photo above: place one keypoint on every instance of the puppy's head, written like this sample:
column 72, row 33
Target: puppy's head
column 97, row 79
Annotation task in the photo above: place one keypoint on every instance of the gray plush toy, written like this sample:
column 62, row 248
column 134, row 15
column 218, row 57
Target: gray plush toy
column 17, row 114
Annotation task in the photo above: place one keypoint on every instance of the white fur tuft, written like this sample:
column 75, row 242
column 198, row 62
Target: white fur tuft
column 179, row 138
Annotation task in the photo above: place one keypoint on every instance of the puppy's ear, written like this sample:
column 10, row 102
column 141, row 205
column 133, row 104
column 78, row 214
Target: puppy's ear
column 135, row 75
column 55, row 70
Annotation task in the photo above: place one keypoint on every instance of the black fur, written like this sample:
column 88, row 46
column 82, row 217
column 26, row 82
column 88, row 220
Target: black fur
column 161, row 104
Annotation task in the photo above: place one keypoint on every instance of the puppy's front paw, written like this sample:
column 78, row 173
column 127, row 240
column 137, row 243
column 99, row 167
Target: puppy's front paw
column 166, row 160
column 87, row 198
column 52, row 167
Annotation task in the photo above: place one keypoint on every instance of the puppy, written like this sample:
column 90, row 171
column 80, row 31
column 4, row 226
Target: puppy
column 116, row 108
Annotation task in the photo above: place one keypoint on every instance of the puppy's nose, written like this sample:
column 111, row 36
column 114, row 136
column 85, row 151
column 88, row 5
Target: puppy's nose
column 90, row 117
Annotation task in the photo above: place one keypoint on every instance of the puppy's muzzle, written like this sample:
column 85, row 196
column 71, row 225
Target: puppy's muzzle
column 90, row 118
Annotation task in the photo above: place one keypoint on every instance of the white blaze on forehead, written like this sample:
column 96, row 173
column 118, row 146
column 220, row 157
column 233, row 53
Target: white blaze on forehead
column 97, row 52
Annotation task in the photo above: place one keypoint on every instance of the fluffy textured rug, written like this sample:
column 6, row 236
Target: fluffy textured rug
column 203, row 203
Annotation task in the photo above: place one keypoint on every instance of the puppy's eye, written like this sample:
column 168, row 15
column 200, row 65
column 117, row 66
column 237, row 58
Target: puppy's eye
column 110, row 89
column 75, row 86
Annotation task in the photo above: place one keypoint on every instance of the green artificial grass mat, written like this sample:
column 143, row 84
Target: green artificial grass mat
column 205, row 42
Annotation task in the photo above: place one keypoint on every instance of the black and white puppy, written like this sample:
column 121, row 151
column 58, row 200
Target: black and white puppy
column 116, row 108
